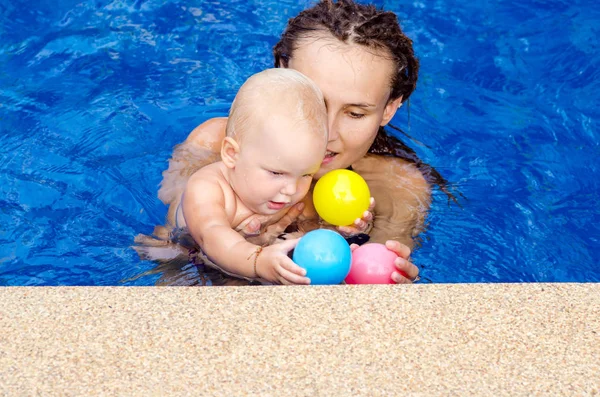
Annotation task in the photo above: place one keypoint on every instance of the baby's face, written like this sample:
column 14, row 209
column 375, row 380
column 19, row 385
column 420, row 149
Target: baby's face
column 276, row 163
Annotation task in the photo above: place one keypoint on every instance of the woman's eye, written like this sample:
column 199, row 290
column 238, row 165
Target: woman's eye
column 356, row 115
column 307, row 175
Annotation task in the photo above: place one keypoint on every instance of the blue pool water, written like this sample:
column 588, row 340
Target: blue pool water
column 94, row 95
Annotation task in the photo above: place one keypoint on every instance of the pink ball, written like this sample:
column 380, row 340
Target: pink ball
column 372, row 263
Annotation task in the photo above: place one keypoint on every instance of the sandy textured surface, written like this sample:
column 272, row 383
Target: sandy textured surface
column 485, row 339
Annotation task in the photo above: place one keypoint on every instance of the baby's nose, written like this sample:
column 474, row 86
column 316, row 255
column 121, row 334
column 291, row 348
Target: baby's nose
column 290, row 188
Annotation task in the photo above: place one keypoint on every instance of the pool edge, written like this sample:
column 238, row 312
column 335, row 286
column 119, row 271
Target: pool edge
column 339, row 340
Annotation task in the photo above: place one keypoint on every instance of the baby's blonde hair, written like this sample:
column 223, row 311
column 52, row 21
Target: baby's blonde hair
column 265, row 92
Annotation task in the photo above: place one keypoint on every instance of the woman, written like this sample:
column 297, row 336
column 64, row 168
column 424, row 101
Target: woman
column 366, row 69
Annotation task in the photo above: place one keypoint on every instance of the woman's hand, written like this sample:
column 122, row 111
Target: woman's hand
column 361, row 225
column 274, row 265
column 407, row 272
column 252, row 229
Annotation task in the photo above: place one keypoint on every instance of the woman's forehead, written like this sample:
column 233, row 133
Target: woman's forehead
column 350, row 72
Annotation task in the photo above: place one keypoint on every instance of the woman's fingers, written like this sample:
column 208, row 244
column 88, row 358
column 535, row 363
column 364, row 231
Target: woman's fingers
column 346, row 231
column 360, row 225
column 287, row 219
column 252, row 228
column 406, row 270
column 367, row 216
column 353, row 247
column 293, row 213
column 371, row 204
column 400, row 279
column 400, row 249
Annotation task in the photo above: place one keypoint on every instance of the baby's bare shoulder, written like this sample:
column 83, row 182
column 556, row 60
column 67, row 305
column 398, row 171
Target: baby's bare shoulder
column 208, row 181
column 208, row 189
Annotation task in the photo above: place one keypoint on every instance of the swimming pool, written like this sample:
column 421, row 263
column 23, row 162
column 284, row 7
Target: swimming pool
column 94, row 95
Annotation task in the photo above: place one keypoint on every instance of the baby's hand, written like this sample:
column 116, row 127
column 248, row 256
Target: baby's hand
column 361, row 225
column 274, row 265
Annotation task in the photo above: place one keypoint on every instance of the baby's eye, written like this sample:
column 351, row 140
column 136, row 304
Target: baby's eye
column 356, row 115
column 275, row 173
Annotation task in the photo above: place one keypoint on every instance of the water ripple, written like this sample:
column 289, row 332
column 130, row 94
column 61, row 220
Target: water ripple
column 94, row 95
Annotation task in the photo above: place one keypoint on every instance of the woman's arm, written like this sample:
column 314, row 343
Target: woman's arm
column 201, row 148
column 402, row 198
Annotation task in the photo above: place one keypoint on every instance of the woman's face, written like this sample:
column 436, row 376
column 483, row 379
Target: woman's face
column 356, row 84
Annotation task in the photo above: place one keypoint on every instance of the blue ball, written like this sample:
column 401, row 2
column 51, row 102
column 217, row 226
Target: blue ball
column 325, row 255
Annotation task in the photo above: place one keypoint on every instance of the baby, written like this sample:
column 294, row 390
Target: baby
column 276, row 138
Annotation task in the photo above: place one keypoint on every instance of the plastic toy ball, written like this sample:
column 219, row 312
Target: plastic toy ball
column 372, row 264
column 341, row 196
column 325, row 255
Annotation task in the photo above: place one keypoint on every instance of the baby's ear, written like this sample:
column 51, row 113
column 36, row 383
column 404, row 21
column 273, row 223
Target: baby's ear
column 229, row 152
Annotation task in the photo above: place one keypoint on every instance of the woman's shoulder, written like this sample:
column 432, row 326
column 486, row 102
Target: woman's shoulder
column 374, row 166
column 209, row 134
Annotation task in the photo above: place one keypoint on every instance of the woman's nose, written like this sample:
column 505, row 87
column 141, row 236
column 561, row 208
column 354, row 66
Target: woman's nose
column 332, row 128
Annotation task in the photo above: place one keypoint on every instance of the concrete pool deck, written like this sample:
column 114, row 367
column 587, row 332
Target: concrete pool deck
column 443, row 339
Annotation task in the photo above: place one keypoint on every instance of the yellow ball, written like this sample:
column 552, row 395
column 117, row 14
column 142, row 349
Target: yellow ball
column 341, row 196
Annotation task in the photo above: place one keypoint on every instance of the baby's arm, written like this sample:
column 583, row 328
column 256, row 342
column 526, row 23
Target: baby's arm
column 208, row 223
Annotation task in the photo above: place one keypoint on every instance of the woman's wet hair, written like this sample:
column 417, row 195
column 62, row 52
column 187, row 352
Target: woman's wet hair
column 379, row 31
column 351, row 22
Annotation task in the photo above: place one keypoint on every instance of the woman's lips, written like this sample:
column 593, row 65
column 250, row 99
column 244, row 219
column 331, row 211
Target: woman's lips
column 329, row 156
